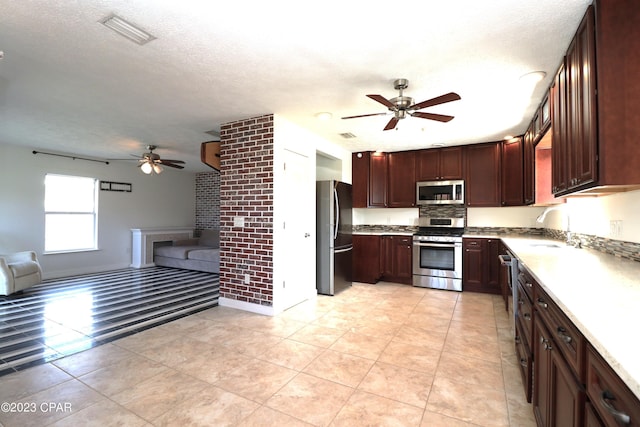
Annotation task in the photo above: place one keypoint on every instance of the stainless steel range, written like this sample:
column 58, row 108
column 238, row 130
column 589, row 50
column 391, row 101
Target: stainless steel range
column 437, row 253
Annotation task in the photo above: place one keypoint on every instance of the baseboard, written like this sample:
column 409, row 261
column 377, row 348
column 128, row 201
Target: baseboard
column 84, row 270
column 246, row 306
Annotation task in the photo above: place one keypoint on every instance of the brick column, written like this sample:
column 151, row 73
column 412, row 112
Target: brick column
column 246, row 191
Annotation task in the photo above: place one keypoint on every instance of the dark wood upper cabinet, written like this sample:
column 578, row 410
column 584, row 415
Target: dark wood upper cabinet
column 574, row 110
column 596, row 92
column 558, row 98
column 378, row 170
column 439, row 164
column 369, row 179
column 483, row 175
column 581, row 98
column 360, row 179
column 401, row 185
column 528, row 169
column 512, row 173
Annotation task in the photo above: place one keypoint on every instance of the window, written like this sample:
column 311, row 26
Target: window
column 71, row 213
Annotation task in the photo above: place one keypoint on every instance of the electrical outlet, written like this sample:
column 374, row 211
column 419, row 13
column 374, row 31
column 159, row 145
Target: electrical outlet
column 238, row 221
column 615, row 228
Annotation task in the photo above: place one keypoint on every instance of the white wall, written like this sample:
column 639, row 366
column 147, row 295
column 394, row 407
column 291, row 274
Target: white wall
column 386, row 216
column 593, row 215
column 516, row 216
column 156, row 201
column 289, row 136
column 476, row 217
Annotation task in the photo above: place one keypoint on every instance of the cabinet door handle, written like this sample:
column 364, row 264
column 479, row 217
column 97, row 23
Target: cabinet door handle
column 562, row 334
column 517, row 339
column 620, row 416
column 527, row 316
column 545, row 344
column 542, row 304
column 523, row 362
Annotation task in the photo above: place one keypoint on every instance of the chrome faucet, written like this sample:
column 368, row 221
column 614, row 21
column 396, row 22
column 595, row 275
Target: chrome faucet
column 543, row 215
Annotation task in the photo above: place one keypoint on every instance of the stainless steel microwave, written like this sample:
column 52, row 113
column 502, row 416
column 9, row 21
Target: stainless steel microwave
column 440, row 192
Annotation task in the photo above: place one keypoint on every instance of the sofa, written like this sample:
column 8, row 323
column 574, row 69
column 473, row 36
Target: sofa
column 19, row 271
column 201, row 254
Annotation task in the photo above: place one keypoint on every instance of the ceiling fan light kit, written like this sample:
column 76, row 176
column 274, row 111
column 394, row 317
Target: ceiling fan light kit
column 401, row 106
column 152, row 163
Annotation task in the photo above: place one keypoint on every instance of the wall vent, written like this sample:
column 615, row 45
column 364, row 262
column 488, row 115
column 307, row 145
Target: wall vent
column 347, row 135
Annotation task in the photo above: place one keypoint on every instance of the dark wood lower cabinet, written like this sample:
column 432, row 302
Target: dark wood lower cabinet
column 558, row 398
column 397, row 255
column 590, row 417
column 610, row 398
column 382, row 258
column 366, row 259
column 481, row 269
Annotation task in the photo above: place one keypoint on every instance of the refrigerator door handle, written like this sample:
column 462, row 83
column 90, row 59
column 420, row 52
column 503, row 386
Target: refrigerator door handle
column 339, row 251
column 337, row 221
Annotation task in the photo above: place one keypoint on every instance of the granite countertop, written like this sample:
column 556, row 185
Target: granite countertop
column 382, row 232
column 600, row 293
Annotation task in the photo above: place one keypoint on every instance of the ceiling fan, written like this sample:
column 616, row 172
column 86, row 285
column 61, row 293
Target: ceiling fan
column 403, row 105
column 151, row 162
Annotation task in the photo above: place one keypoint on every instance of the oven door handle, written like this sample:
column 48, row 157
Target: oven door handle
column 438, row 244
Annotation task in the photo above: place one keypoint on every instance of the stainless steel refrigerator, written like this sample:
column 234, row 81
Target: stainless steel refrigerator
column 333, row 230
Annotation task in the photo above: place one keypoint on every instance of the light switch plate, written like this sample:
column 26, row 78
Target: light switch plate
column 238, row 221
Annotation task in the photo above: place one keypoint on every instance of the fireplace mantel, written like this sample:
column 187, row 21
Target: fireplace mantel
column 143, row 240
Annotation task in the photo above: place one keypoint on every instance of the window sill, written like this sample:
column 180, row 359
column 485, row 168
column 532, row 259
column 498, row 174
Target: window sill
column 71, row 251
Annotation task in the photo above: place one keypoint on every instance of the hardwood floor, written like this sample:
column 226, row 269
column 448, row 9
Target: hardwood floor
column 64, row 316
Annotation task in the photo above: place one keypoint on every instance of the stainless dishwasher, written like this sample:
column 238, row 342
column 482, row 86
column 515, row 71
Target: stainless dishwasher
column 511, row 262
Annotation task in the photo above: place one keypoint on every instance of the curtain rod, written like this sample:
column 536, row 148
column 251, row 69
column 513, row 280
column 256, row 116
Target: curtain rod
column 70, row 157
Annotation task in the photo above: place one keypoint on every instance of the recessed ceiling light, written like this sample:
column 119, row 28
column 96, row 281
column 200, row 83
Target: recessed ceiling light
column 508, row 137
column 438, row 144
column 324, row 116
column 127, row 29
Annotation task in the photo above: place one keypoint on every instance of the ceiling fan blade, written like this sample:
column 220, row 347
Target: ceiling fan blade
column 451, row 96
column 392, row 123
column 382, row 100
column 168, row 160
column 172, row 165
column 365, row 115
column 431, row 116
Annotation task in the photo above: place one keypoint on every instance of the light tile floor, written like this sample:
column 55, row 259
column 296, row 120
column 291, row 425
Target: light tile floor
column 384, row 355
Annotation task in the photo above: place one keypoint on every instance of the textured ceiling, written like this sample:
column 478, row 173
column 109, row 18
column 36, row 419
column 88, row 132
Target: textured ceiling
column 69, row 84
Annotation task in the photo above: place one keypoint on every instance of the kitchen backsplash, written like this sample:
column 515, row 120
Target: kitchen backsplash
column 384, row 229
column 444, row 211
column 504, row 231
column 619, row 248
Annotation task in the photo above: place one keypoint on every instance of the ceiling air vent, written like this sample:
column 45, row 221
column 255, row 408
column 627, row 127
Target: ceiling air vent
column 127, row 29
column 347, row 135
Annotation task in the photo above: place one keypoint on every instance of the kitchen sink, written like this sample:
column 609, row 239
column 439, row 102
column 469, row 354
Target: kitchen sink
column 547, row 245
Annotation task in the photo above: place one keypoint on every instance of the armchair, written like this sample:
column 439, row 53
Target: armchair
column 19, row 271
